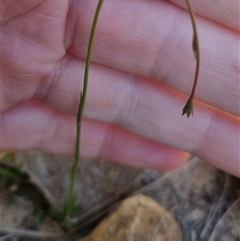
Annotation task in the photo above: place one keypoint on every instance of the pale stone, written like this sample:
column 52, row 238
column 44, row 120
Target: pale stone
column 138, row 218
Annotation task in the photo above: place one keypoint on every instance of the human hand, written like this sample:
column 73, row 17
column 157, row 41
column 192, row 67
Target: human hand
column 141, row 73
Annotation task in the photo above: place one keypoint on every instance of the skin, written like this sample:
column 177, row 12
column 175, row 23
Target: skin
column 141, row 73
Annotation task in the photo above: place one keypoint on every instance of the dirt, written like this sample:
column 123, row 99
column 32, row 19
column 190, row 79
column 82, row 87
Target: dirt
column 204, row 200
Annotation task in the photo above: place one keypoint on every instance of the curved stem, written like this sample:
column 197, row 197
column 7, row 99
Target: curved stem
column 188, row 108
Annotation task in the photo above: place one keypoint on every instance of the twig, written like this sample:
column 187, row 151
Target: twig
column 7, row 237
column 28, row 233
column 34, row 180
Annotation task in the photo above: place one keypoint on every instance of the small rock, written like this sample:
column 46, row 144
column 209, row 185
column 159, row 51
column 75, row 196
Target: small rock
column 138, row 218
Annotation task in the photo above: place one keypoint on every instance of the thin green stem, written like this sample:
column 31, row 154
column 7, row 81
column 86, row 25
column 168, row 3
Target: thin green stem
column 188, row 108
column 82, row 104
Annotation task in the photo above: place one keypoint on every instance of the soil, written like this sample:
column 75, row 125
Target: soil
column 205, row 201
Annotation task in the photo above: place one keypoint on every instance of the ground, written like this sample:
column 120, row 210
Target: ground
column 204, row 200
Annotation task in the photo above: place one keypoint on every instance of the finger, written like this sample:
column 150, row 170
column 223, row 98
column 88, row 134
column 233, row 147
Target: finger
column 153, row 39
column 11, row 8
column 33, row 43
column 33, row 125
column 220, row 11
column 151, row 110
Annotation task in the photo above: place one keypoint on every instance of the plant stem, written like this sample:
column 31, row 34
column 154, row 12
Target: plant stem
column 83, row 95
column 188, row 108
